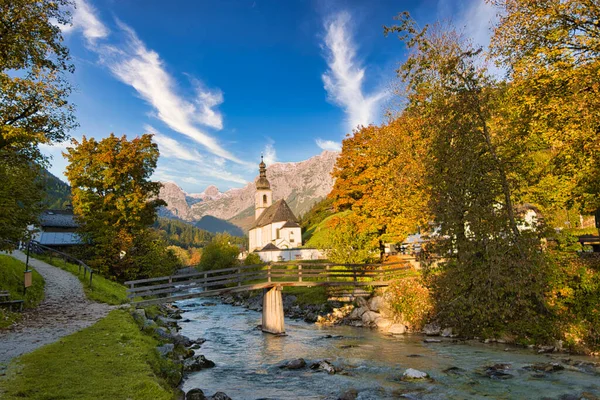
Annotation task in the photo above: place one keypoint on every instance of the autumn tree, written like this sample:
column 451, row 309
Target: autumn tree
column 493, row 274
column 379, row 176
column 551, row 51
column 115, row 203
column 34, row 105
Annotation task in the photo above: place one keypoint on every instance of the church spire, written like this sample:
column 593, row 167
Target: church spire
column 262, row 183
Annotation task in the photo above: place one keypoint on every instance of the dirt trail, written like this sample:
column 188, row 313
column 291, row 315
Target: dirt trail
column 64, row 310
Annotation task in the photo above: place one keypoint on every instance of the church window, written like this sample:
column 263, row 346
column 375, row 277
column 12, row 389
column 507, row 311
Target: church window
column 264, row 199
column 291, row 237
column 277, row 233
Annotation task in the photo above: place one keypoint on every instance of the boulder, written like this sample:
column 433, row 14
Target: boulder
column 383, row 323
column 324, row 366
column 397, row 329
column 139, row 314
column 432, row 329
column 165, row 349
column 164, row 321
column 369, row 317
column 376, row 303
column 195, row 394
column 432, row 341
column 354, row 315
column 498, row 371
column 447, row 332
column 197, row 363
column 182, row 340
column 545, row 367
column 414, row 374
column 360, row 302
column 219, row 396
column 298, row 363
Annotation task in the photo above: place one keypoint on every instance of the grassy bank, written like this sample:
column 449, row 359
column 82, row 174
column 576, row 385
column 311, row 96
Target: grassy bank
column 109, row 360
column 102, row 290
column 11, row 279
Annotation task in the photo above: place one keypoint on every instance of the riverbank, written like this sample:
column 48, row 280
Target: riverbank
column 109, row 360
column 352, row 362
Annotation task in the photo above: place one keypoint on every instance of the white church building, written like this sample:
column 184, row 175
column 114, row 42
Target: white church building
column 275, row 234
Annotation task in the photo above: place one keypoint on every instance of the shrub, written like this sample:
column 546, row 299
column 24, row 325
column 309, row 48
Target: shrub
column 253, row 259
column 411, row 300
column 219, row 253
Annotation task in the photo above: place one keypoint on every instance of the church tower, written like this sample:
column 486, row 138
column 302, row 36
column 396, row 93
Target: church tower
column 263, row 197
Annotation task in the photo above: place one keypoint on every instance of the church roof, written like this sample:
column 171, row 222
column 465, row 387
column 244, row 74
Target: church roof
column 270, row 247
column 277, row 212
column 291, row 224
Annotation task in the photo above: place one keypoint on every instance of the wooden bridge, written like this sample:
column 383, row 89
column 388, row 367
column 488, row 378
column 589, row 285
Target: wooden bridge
column 271, row 278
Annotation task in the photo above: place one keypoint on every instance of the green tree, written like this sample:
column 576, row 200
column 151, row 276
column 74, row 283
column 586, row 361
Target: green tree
column 115, row 201
column 253, row 259
column 34, row 105
column 350, row 241
column 219, row 253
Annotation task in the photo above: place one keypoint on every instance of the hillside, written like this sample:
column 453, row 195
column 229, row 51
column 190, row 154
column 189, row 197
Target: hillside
column 301, row 184
column 58, row 193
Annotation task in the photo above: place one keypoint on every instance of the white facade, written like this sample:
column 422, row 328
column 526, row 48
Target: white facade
column 290, row 254
column 263, row 198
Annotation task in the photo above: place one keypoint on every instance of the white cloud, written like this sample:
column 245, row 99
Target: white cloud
column 189, row 160
column 344, row 79
column 85, row 20
column 143, row 69
column 269, row 154
column 170, row 148
column 328, row 145
column 477, row 19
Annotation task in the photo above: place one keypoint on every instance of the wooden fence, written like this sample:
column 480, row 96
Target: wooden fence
column 252, row 277
column 40, row 248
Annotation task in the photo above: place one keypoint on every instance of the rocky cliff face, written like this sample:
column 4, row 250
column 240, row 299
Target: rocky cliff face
column 301, row 184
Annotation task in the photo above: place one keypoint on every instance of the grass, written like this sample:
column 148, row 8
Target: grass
column 110, row 360
column 318, row 235
column 102, row 290
column 316, row 295
column 11, row 279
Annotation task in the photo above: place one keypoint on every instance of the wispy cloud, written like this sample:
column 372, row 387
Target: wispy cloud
column 189, row 159
column 85, row 20
column 328, row 145
column 171, row 148
column 143, row 69
column 269, row 153
column 344, row 79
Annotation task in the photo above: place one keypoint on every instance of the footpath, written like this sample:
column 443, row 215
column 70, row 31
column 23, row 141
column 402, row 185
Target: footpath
column 64, row 310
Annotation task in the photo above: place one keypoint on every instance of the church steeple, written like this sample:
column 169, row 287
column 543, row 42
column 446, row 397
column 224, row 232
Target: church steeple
column 263, row 197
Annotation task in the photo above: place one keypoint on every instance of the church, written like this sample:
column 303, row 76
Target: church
column 275, row 225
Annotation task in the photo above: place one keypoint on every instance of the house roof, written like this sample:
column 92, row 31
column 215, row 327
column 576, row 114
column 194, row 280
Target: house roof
column 291, row 224
column 270, row 247
column 58, row 219
column 57, row 238
column 277, row 212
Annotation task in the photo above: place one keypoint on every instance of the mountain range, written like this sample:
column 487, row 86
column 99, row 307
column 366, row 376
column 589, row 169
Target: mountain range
column 301, row 184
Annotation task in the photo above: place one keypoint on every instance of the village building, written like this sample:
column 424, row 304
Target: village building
column 276, row 234
column 57, row 229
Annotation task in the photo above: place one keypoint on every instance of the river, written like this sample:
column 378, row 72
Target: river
column 247, row 362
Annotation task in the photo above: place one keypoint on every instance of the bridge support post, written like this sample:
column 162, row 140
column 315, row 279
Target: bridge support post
column 272, row 314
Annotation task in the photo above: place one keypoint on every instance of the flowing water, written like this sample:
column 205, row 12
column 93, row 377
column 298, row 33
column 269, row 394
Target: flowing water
column 247, row 363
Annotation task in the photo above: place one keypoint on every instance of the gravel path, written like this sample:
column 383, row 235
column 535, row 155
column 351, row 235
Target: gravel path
column 63, row 311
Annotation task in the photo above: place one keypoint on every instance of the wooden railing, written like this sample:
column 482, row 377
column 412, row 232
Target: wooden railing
column 39, row 248
column 252, row 277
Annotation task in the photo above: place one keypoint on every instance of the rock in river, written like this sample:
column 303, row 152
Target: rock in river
column 324, row 366
column 298, row 363
column 195, row 394
column 197, row 363
column 414, row 374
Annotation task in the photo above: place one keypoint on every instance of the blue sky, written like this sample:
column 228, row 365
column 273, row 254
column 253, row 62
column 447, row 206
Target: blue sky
column 220, row 82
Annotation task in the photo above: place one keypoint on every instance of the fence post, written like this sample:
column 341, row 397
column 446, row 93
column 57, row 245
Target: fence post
column 239, row 271
column 380, row 268
column 268, row 272
column 299, row 272
column 354, row 272
column 170, row 281
column 327, row 272
column 91, row 274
